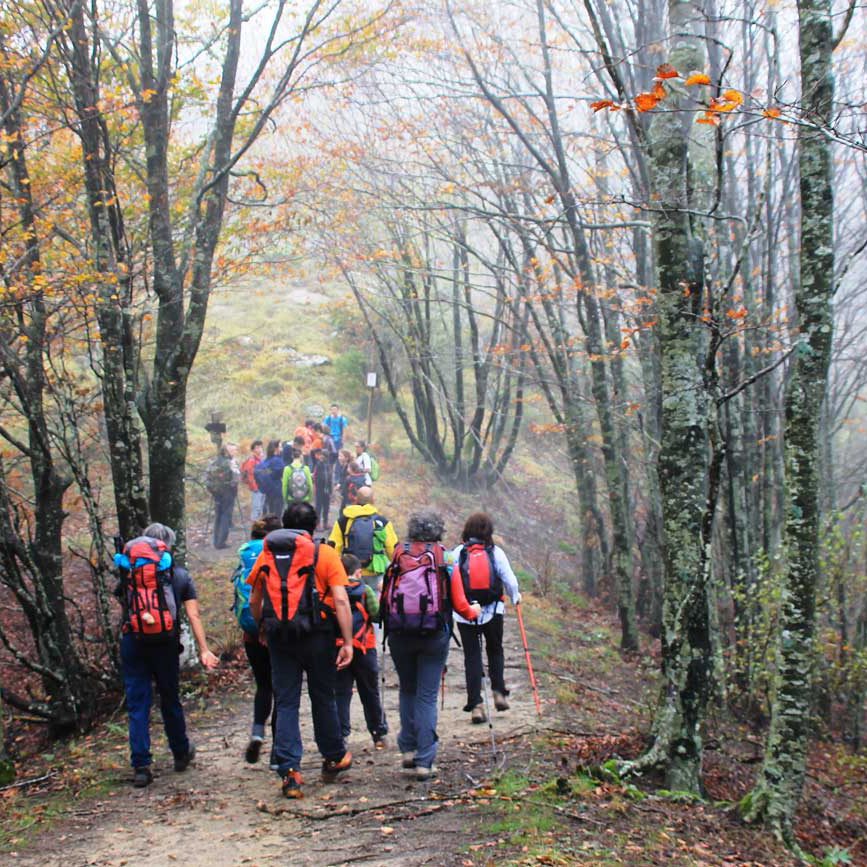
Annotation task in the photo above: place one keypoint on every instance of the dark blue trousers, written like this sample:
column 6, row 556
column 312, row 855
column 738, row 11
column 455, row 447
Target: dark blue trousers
column 141, row 664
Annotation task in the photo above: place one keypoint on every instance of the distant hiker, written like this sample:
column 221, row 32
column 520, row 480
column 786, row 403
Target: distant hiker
column 363, row 671
column 322, row 483
column 315, row 435
column 362, row 531
column 269, row 478
column 416, row 611
column 328, row 446
column 487, row 576
column 344, row 458
column 352, row 482
column 297, row 480
column 364, row 461
column 303, row 432
column 299, row 590
column 298, row 443
column 337, row 425
column 221, row 480
column 151, row 590
column 248, row 477
column 255, row 645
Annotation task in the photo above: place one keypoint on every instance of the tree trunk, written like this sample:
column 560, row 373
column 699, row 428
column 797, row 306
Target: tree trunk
column 775, row 798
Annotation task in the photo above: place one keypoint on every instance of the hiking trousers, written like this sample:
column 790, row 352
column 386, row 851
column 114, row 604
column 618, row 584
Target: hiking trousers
column 315, row 654
column 364, row 672
column 224, row 502
column 492, row 633
column 419, row 661
column 263, row 700
column 140, row 665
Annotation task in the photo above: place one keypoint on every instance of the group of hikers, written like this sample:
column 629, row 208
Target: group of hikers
column 308, row 468
column 313, row 607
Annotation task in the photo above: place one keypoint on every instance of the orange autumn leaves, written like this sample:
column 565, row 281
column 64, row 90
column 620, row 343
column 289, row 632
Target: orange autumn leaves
column 729, row 100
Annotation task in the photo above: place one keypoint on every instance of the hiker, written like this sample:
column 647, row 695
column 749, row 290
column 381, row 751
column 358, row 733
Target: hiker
column 303, row 432
column 297, row 480
column 221, row 480
column 151, row 590
column 306, row 580
column 362, row 531
column 328, row 446
column 362, row 458
column 255, row 645
column 344, row 458
column 363, row 671
column 321, row 487
column 248, row 476
column 352, row 482
column 416, row 611
column 315, row 441
column 336, row 424
column 269, row 478
column 487, row 576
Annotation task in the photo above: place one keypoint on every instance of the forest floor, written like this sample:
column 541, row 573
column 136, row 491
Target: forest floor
column 531, row 802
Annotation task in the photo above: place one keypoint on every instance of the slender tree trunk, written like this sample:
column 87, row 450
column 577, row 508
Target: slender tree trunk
column 775, row 798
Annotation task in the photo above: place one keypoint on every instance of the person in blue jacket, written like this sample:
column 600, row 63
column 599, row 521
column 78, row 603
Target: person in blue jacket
column 269, row 478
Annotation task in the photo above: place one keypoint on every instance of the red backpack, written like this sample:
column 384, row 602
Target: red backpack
column 152, row 610
column 291, row 602
column 482, row 582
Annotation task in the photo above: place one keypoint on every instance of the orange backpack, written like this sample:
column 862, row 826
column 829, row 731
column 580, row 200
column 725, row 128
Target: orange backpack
column 150, row 600
column 291, row 602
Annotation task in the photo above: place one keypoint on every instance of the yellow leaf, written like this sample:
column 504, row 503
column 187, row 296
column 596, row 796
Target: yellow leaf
column 697, row 78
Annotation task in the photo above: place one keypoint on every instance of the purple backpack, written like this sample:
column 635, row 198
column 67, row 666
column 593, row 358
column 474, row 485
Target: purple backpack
column 414, row 595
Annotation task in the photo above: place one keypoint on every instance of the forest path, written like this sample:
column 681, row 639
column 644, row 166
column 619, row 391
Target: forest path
column 225, row 812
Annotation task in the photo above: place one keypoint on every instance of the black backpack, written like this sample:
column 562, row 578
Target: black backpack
column 360, row 540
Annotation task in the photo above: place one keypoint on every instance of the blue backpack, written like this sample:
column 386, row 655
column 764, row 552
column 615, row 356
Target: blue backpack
column 248, row 552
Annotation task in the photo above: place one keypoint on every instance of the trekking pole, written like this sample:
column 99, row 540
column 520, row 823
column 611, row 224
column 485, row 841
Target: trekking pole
column 529, row 664
column 486, row 697
column 443, row 688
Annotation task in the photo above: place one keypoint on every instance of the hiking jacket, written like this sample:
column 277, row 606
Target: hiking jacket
column 248, row 471
column 322, row 479
column 269, row 476
column 507, row 576
column 287, row 478
column 336, row 424
column 367, row 641
column 340, row 533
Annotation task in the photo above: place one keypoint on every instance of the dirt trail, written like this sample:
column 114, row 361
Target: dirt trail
column 225, row 812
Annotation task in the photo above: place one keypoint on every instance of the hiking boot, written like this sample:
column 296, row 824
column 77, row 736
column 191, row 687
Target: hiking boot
column 407, row 761
column 251, row 754
column 478, row 715
column 424, row 774
column 183, row 762
column 331, row 769
column 500, row 701
column 291, row 785
column 380, row 742
column 142, row 777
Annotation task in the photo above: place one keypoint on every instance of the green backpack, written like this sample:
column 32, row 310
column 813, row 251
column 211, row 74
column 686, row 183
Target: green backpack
column 374, row 469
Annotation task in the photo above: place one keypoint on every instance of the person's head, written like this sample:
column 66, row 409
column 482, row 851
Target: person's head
column 426, row 525
column 161, row 532
column 364, row 496
column 479, row 526
column 223, row 451
column 318, row 454
column 264, row 526
column 296, row 454
column 354, row 468
column 256, row 447
column 273, row 448
column 298, row 442
column 319, row 427
column 344, row 457
column 300, row 516
column 309, row 423
column 335, row 410
column 231, row 449
column 360, row 447
column 351, row 564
